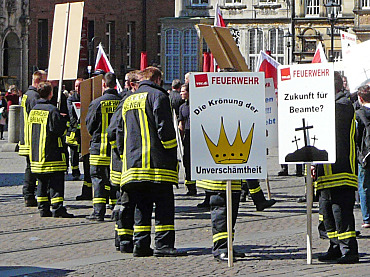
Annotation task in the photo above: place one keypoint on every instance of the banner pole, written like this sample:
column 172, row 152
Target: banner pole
column 309, row 189
column 229, row 224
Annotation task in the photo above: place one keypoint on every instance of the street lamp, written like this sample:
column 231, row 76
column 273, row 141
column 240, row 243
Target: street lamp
column 288, row 35
column 332, row 11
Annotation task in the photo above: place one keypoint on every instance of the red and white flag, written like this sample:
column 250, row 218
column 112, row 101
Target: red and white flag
column 268, row 65
column 219, row 21
column 319, row 56
column 103, row 63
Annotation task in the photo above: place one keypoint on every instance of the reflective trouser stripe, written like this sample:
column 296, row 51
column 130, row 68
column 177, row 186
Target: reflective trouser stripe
column 56, row 200
column 99, row 201
column 347, row 235
column 219, row 236
column 138, row 229
column 253, row 191
column 89, row 185
column 113, row 201
column 42, row 199
column 163, row 228
column 332, row 235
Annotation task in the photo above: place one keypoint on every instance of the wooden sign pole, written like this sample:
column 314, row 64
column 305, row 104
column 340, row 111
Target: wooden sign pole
column 229, row 224
column 309, row 212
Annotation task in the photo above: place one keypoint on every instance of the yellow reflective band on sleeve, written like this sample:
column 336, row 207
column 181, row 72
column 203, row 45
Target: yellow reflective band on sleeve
column 127, row 232
column 42, row 199
column 99, row 200
column 253, row 191
column 332, row 235
column 163, row 228
column 219, row 236
column 24, row 150
column 89, row 185
column 107, row 188
column 113, row 142
column 336, row 180
column 169, row 144
column 115, row 177
column 113, row 201
column 99, row 160
column 347, row 235
column 56, row 200
column 321, row 217
column 138, row 229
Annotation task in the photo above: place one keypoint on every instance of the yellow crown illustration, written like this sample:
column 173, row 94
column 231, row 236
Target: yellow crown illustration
column 224, row 153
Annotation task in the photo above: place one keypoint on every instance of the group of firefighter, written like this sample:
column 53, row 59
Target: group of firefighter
column 132, row 164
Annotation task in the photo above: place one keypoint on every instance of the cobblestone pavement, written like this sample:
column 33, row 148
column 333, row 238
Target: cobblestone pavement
column 274, row 240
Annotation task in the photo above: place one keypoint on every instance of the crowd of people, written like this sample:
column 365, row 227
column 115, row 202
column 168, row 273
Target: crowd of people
column 133, row 163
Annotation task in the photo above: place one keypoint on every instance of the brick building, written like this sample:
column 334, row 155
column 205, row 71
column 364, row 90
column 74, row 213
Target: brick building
column 124, row 27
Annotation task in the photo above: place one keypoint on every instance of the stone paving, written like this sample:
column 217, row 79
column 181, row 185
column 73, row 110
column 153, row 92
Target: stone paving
column 274, row 240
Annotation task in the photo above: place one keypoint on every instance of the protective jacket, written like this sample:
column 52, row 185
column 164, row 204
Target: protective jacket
column 147, row 138
column 29, row 100
column 97, row 121
column 363, row 136
column 46, row 127
column 73, row 136
column 344, row 171
column 219, row 185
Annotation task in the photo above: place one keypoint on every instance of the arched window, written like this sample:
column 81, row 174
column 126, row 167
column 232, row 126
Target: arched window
column 255, row 46
column 276, row 44
column 172, row 54
column 190, row 51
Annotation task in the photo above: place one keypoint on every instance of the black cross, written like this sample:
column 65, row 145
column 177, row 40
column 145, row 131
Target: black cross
column 365, row 72
column 314, row 139
column 296, row 140
column 304, row 129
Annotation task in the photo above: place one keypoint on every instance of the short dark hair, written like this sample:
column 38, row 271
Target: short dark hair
column 364, row 93
column 186, row 86
column 44, row 89
column 176, row 84
column 151, row 73
column 338, row 81
column 110, row 79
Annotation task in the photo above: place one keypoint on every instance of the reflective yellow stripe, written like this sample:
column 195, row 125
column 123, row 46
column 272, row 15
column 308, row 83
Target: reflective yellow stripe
column 352, row 153
column 45, row 169
column 332, row 235
column 89, row 185
column 163, row 228
column 56, row 200
column 122, row 232
column 145, row 139
column 107, row 188
column 335, row 180
column 99, row 160
column 74, row 167
column 218, row 185
column 113, row 201
column 138, row 229
column 115, row 177
column 169, row 144
column 99, row 200
column 219, row 236
column 347, row 235
column 149, row 174
column 252, row 191
column 42, row 199
column 190, row 182
column 321, row 217
column 328, row 169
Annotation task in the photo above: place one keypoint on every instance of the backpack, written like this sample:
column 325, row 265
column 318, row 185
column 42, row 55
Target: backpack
column 364, row 145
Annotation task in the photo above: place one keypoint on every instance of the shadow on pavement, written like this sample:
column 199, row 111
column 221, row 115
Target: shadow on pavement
column 10, row 197
column 11, row 179
column 7, row 271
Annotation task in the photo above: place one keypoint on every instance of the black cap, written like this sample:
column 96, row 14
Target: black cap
column 98, row 72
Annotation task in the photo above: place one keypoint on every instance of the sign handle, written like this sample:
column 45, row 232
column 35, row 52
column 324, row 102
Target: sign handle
column 229, row 224
column 309, row 189
column 268, row 188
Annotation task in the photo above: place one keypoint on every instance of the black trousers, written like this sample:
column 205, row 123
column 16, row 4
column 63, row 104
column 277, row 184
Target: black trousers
column 29, row 186
column 101, row 187
column 219, row 219
column 190, row 184
column 74, row 160
column 124, row 230
column 336, row 205
column 50, row 190
column 143, row 196
column 87, row 185
column 254, row 188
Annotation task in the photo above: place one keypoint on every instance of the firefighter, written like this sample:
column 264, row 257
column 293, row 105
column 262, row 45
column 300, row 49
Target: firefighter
column 97, row 121
column 147, row 139
column 73, row 139
column 254, row 188
column 29, row 100
column 217, row 192
column 48, row 161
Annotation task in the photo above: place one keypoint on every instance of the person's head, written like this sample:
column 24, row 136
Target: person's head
column 12, row 89
column 187, row 75
column 78, row 85
column 176, row 84
column 338, row 82
column 363, row 94
column 345, row 82
column 133, row 80
column 45, row 90
column 37, row 77
column 127, row 82
column 151, row 73
column 185, row 91
column 109, row 80
column 98, row 72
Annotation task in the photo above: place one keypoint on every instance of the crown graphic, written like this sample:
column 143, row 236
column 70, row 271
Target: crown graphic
column 224, row 153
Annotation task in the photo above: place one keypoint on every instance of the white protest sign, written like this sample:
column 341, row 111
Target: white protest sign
column 306, row 113
column 347, row 40
column 357, row 65
column 77, row 108
column 271, row 114
column 228, row 126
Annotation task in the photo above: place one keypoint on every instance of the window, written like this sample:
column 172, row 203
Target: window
column 42, row 43
column 337, row 55
column 276, row 44
column 190, row 51
column 365, row 4
column 199, row 2
column 110, row 38
column 255, row 46
column 233, row 2
column 312, row 8
column 158, row 61
column 130, row 44
column 172, row 55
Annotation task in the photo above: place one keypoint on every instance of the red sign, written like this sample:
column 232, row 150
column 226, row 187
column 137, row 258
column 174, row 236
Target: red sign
column 201, row 80
column 285, row 74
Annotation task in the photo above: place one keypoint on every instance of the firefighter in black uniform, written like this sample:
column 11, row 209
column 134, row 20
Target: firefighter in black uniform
column 97, row 121
column 336, row 184
column 147, row 139
column 29, row 100
column 123, row 212
column 48, row 160
column 254, row 188
column 73, row 139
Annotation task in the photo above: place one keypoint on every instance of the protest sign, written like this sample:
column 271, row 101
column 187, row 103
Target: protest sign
column 77, row 108
column 306, row 113
column 228, row 125
column 271, row 111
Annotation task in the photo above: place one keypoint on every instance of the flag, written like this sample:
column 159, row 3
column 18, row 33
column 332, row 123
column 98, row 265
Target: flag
column 206, row 62
column 268, row 65
column 143, row 60
column 103, row 63
column 319, row 56
column 219, row 21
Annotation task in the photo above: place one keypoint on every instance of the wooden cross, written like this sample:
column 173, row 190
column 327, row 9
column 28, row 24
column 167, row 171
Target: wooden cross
column 314, row 139
column 296, row 140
